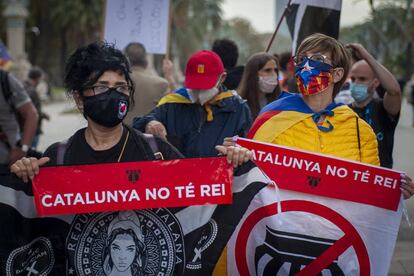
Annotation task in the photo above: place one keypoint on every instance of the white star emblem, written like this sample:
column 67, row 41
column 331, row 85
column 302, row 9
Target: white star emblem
column 307, row 67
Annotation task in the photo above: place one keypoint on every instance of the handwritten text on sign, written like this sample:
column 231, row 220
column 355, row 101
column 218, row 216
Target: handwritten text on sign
column 144, row 21
column 328, row 176
column 134, row 185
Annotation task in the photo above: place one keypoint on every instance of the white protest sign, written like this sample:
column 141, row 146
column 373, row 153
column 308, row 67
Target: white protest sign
column 144, row 21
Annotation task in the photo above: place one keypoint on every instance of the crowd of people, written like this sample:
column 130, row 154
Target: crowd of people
column 332, row 88
column 122, row 103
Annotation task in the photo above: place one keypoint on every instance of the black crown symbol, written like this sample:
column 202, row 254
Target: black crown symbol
column 313, row 181
column 133, row 175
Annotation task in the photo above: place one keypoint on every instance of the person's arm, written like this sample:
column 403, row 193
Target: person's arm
column 152, row 122
column 235, row 155
column 392, row 97
column 168, row 70
column 29, row 116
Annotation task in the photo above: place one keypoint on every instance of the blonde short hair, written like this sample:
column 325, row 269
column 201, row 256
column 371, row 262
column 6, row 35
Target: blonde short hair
column 339, row 54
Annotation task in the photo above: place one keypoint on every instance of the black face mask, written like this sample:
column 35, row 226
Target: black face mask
column 107, row 109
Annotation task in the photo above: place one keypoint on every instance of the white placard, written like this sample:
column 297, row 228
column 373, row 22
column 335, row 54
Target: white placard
column 144, row 21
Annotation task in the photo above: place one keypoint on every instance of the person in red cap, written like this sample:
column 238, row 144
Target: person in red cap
column 198, row 116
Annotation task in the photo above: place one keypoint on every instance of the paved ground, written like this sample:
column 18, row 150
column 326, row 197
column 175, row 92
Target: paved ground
column 62, row 126
column 403, row 260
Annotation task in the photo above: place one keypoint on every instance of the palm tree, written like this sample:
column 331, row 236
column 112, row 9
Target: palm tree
column 388, row 34
column 64, row 25
column 193, row 22
column 78, row 21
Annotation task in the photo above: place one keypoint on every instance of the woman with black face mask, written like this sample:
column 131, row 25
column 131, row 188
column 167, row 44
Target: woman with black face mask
column 97, row 77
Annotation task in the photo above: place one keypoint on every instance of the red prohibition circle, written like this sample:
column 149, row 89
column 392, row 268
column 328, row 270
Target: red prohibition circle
column 350, row 238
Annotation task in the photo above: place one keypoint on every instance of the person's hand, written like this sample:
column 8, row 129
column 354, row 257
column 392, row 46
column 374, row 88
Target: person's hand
column 407, row 186
column 168, row 68
column 228, row 141
column 27, row 168
column 235, row 155
column 15, row 154
column 359, row 50
column 156, row 128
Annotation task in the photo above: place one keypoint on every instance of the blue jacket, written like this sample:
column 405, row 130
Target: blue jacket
column 188, row 128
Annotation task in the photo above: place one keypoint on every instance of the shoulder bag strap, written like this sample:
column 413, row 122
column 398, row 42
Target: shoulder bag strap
column 150, row 139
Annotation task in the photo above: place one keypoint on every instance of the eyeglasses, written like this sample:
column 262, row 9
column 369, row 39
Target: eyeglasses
column 100, row 89
column 298, row 59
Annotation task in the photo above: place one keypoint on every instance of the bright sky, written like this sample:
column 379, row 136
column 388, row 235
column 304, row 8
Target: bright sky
column 261, row 13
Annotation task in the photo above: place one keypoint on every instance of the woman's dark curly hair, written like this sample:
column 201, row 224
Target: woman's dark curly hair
column 87, row 64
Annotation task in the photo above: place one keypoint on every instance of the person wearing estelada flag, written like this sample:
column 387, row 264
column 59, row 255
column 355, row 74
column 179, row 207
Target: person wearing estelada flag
column 5, row 58
column 311, row 120
column 97, row 76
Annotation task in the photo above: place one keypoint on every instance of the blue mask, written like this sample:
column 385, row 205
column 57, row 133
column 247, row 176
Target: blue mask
column 359, row 92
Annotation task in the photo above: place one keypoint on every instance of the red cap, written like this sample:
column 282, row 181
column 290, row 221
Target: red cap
column 202, row 70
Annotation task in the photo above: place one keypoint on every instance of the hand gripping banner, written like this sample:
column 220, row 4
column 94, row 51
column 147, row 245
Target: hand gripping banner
column 153, row 241
column 323, row 175
column 133, row 185
column 326, row 216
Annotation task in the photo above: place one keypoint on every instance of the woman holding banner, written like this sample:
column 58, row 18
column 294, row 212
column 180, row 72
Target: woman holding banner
column 311, row 120
column 98, row 78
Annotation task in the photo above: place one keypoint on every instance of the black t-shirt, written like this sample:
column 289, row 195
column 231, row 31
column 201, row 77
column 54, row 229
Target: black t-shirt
column 79, row 152
column 383, row 125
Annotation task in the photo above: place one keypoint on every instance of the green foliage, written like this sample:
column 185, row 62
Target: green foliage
column 193, row 24
column 242, row 32
column 57, row 91
column 196, row 24
column 388, row 35
column 72, row 110
column 64, row 25
column 82, row 18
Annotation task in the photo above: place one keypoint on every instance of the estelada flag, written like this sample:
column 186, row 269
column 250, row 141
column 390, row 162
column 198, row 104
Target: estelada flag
column 285, row 232
column 306, row 17
column 161, row 241
column 287, row 111
column 5, row 58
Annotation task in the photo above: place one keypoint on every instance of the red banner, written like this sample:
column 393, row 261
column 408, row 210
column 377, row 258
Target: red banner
column 133, row 185
column 323, row 175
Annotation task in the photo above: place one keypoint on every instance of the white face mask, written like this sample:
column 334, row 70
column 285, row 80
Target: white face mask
column 203, row 96
column 267, row 84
